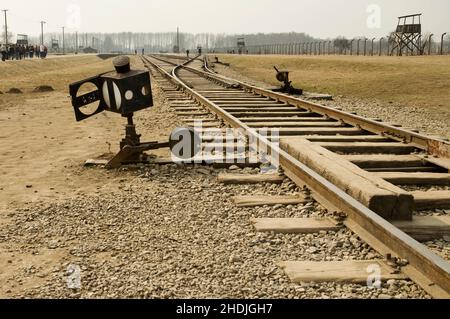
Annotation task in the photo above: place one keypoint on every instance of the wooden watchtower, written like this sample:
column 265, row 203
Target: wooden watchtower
column 408, row 35
column 241, row 45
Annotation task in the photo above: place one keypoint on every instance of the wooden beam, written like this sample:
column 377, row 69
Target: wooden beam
column 422, row 169
column 319, row 131
column 356, row 272
column 285, row 119
column 432, row 200
column 349, row 138
column 275, row 123
column 295, row 225
column 369, row 148
column 262, row 200
column 378, row 161
column 442, row 162
column 389, row 201
column 243, row 114
column 250, row 179
column 415, row 178
column 249, row 108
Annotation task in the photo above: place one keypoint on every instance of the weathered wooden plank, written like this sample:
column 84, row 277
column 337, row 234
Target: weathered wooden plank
column 251, row 102
column 294, row 225
column 204, row 124
column 285, row 119
column 356, row 272
column 250, row 179
column 204, row 120
column 424, row 228
column 256, row 108
column 275, row 123
column 399, row 178
column 377, row 161
column 423, row 169
column 389, row 201
column 244, row 114
column 370, row 148
column 432, row 200
column 442, row 162
column 193, row 113
column 262, row 200
column 300, row 131
column 349, row 138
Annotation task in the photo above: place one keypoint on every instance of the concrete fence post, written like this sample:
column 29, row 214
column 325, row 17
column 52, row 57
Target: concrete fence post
column 381, row 45
column 429, row 43
column 442, row 42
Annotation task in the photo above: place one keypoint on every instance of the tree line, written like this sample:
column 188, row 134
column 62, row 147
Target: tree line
column 163, row 41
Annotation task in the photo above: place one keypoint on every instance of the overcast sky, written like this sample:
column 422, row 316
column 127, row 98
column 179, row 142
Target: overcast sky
column 320, row 18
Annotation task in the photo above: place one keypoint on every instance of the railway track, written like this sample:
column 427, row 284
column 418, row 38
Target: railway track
column 378, row 176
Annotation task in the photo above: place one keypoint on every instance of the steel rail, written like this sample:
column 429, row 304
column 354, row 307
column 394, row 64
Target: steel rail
column 427, row 269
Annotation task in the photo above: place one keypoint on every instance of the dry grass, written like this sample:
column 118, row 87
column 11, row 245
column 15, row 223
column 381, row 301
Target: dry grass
column 57, row 72
column 412, row 81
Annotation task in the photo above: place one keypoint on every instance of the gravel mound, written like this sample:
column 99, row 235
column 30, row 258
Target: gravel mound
column 14, row 91
column 43, row 89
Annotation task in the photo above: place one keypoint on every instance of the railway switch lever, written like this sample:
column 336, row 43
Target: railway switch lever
column 123, row 91
column 283, row 76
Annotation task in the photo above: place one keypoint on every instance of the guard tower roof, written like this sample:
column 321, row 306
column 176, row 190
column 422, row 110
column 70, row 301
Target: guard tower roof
column 410, row 16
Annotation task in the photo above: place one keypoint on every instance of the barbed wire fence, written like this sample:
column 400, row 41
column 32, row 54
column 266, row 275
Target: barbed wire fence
column 383, row 46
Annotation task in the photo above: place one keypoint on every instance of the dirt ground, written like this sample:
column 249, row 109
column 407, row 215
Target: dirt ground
column 43, row 148
column 42, row 144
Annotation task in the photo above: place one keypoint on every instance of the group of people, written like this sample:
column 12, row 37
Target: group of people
column 19, row 52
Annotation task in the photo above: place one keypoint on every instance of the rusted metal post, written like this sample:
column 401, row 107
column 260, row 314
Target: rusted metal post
column 429, row 43
column 381, row 45
column 442, row 42
column 372, row 47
